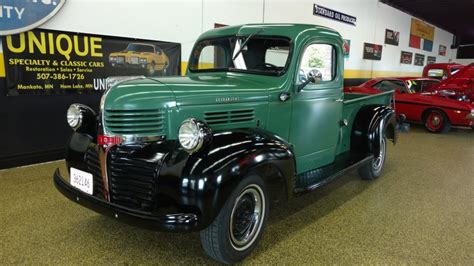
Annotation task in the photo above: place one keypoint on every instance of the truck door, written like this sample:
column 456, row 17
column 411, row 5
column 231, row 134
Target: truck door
column 317, row 108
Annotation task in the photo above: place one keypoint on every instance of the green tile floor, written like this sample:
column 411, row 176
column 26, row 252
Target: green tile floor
column 421, row 211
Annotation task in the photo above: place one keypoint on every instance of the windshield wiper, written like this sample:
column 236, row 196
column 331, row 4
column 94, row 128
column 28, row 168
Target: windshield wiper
column 244, row 43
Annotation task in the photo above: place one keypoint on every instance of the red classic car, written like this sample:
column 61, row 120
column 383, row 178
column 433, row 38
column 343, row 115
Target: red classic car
column 461, row 83
column 437, row 113
column 441, row 70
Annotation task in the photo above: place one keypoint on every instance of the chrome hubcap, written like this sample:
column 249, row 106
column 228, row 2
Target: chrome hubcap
column 378, row 161
column 247, row 216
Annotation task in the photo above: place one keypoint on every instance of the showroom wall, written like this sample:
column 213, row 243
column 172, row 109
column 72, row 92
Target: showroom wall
column 35, row 126
column 183, row 20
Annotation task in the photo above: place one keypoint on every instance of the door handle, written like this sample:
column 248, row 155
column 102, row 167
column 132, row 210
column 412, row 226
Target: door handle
column 339, row 100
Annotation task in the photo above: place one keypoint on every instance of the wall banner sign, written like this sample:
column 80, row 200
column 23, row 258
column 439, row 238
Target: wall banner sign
column 53, row 62
column 372, row 51
column 406, row 58
column 419, row 60
column 333, row 14
column 22, row 15
column 392, row 37
column 421, row 35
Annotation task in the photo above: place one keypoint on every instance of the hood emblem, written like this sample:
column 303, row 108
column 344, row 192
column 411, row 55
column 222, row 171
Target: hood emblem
column 227, row 99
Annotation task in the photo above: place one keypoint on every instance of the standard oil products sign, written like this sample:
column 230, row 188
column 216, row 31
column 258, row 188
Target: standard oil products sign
column 322, row 11
column 22, row 15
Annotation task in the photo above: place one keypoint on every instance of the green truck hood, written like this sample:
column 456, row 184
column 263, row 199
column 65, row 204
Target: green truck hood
column 224, row 100
column 218, row 88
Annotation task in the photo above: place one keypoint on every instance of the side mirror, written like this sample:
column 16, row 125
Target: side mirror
column 398, row 91
column 313, row 76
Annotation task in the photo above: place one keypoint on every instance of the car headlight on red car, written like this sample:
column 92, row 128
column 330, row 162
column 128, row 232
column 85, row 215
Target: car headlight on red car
column 471, row 115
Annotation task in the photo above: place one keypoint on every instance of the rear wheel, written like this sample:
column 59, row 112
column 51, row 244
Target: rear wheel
column 374, row 169
column 436, row 121
column 237, row 229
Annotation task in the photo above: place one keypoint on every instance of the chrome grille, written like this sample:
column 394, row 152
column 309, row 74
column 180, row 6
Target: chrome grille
column 131, row 180
column 229, row 117
column 149, row 122
column 93, row 166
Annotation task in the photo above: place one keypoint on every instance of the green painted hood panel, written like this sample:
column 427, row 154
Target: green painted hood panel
column 140, row 94
column 218, row 88
column 215, row 88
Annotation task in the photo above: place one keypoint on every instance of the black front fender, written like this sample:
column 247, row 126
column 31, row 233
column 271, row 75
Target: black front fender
column 210, row 176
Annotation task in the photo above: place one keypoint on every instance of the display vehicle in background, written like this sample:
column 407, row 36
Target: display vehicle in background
column 415, row 99
column 459, row 84
column 260, row 117
column 147, row 56
column 441, row 70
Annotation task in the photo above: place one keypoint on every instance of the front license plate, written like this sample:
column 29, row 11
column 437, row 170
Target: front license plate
column 82, row 180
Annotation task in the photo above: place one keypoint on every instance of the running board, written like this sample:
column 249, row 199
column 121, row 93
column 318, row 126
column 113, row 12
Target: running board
column 343, row 164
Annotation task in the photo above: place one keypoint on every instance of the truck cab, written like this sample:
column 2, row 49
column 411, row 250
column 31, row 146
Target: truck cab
column 260, row 117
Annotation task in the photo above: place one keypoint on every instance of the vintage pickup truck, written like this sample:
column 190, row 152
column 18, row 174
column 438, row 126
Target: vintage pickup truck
column 259, row 117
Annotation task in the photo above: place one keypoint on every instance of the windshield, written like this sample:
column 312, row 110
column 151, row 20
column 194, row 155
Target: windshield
column 260, row 55
column 140, row 48
column 420, row 85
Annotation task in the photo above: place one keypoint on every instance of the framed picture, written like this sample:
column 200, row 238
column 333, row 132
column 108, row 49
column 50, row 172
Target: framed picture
column 442, row 50
column 392, row 37
column 346, row 48
column 406, row 58
column 419, row 60
column 430, row 60
column 372, row 51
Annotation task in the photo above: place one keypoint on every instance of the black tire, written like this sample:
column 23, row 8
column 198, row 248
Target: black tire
column 436, row 121
column 220, row 241
column 374, row 169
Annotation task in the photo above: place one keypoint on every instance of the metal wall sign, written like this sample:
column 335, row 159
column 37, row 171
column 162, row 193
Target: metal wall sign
column 22, row 15
column 321, row 11
column 55, row 62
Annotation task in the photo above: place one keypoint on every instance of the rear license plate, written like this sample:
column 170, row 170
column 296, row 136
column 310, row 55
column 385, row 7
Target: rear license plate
column 82, row 180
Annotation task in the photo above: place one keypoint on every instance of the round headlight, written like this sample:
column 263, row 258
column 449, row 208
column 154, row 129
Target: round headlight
column 74, row 116
column 192, row 134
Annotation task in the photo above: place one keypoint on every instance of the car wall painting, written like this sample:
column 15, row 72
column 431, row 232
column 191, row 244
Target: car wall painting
column 406, row 58
column 392, row 37
column 419, row 60
column 53, row 62
column 372, row 51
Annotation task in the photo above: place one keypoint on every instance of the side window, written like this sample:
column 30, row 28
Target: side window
column 321, row 57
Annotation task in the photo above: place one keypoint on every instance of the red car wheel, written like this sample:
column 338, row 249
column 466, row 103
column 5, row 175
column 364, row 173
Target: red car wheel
column 436, row 121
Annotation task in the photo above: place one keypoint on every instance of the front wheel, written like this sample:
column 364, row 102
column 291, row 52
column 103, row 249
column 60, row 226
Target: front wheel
column 437, row 122
column 239, row 226
column 374, row 169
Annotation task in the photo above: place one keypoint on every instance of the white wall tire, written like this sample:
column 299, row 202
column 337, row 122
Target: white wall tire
column 374, row 169
column 239, row 226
